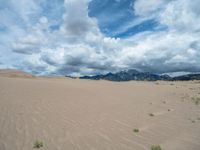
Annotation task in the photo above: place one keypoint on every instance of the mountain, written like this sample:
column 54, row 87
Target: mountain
column 133, row 74
column 187, row 77
column 128, row 75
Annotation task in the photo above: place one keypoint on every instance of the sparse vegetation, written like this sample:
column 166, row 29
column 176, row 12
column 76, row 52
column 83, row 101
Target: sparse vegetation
column 196, row 100
column 151, row 114
column 38, row 144
column 135, row 130
column 156, row 147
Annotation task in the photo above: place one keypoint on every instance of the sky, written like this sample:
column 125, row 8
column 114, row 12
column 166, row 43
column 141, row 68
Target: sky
column 89, row 37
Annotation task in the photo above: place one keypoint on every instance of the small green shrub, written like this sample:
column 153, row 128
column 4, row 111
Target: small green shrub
column 38, row 144
column 135, row 130
column 156, row 147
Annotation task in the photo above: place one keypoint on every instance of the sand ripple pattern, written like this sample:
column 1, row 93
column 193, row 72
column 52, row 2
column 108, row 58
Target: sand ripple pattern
column 72, row 114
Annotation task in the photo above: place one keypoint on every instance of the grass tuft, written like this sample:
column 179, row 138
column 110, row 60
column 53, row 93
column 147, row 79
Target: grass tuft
column 156, row 147
column 136, row 130
column 38, row 144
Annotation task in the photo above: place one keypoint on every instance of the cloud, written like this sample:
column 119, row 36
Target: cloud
column 36, row 38
column 143, row 7
column 77, row 45
column 182, row 16
column 76, row 19
column 172, row 51
column 26, row 45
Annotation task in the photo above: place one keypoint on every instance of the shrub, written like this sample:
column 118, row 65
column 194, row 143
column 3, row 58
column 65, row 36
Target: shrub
column 135, row 130
column 38, row 144
column 156, row 147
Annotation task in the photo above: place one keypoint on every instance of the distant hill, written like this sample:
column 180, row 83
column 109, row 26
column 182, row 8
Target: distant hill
column 187, row 77
column 133, row 74
column 15, row 73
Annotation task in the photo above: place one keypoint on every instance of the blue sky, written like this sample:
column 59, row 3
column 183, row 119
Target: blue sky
column 87, row 37
column 121, row 14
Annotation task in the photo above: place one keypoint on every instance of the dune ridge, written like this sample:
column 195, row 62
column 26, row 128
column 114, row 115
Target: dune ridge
column 15, row 73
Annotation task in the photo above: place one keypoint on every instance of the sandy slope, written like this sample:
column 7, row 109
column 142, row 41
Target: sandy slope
column 14, row 73
column 73, row 114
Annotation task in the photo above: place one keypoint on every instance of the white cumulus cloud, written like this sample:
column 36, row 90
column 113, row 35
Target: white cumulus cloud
column 77, row 46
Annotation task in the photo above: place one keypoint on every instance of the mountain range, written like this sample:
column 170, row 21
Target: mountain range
column 133, row 74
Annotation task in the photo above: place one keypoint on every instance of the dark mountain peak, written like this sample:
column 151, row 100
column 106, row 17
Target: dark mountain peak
column 125, row 75
column 133, row 74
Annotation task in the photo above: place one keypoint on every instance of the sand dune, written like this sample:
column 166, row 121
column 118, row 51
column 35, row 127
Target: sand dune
column 73, row 114
column 14, row 73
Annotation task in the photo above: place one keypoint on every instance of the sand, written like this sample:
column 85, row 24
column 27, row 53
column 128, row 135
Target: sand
column 73, row 114
column 14, row 73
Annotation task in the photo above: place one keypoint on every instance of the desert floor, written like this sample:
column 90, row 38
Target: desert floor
column 73, row 114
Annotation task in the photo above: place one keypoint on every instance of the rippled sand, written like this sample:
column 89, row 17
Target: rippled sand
column 73, row 114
